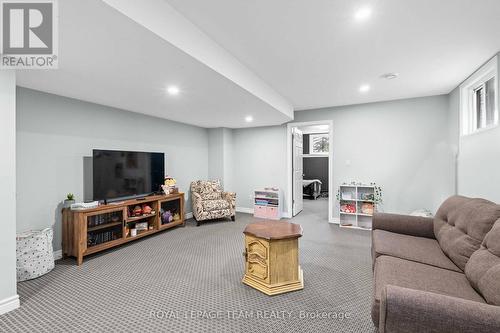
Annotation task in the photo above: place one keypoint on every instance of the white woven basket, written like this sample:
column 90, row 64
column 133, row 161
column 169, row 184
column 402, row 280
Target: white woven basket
column 34, row 254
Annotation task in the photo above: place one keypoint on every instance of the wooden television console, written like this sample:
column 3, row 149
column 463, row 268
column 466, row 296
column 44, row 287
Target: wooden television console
column 97, row 229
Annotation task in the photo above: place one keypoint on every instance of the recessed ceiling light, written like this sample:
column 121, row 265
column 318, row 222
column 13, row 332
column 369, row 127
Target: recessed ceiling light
column 248, row 119
column 363, row 13
column 389, row 76
column 364, row 88
column 173, row 90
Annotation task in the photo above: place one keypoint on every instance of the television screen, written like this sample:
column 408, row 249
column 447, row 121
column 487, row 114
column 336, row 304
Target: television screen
column 121, row 174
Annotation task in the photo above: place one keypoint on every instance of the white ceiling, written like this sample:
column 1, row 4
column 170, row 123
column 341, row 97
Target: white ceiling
column 316, row 55
column 105, row 57
column 234, row 58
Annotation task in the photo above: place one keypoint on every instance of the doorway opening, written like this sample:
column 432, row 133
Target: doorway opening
column 310, row 168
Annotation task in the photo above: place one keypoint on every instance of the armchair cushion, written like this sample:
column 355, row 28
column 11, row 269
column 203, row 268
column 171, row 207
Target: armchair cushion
column 211, row 205
column 461, row 224
column 211, row 196
column 418, row 249
column 409, row 274
column 412, row 311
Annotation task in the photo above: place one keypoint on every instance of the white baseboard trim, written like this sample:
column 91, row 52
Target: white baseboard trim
column 9, row 304
column 188, row 216
column 244, row 210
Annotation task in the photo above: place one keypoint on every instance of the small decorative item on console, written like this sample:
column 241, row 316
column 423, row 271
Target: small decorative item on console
column 170, row 181
column 169, row 187
column 70, row 199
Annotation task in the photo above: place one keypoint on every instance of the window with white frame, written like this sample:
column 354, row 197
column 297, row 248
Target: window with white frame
column 318, row 143
column 479, row 99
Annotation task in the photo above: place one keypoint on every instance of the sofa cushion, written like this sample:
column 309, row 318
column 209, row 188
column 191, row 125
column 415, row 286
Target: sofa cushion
column 409, row 274
column 210, row 205
column 461, row 224
column 483, row 267
column 419, row 249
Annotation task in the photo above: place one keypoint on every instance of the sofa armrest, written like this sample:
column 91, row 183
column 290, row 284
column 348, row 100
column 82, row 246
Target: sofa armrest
column 231, row 197
column 195, row 196
column 404, row 224
column 404, row 310
column 196, row 205
column 228, row 195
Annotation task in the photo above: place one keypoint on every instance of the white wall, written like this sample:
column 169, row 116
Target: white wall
column 55, row 134
column 220, row 156
column 215, row 154
column 259, row 160
column 227, row 149
column 478, row 157
column 402, row 145
column 8, row 294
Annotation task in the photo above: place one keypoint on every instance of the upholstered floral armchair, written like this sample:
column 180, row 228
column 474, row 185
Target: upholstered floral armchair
column 210, row 202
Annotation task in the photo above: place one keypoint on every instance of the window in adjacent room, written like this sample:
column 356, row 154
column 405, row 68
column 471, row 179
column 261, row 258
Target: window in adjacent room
column 318, row 143
column 479, row 99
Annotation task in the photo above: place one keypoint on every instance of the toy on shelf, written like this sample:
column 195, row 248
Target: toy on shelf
column 137, row 211
column 348, row 208
column 166, row 217
column 147, row 210
column 367, row 208
column 367, row 196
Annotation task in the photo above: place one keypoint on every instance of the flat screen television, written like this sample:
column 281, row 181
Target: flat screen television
column 126, row 174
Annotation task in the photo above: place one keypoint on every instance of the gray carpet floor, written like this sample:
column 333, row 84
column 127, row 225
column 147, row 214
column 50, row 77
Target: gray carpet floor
column 189, row 280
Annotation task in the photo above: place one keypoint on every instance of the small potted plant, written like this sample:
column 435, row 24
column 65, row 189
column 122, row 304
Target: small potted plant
column 70, row 199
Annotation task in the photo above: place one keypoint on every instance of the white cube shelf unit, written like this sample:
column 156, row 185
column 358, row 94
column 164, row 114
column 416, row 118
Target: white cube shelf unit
column 357, row 205
column 268, row 203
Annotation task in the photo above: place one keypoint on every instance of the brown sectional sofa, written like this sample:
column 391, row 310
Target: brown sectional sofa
column 438, row 274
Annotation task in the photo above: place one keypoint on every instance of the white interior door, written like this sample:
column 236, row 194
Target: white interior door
column 297, row 166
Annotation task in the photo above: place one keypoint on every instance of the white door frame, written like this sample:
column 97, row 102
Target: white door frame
column 289, row 143
column 297, row 158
